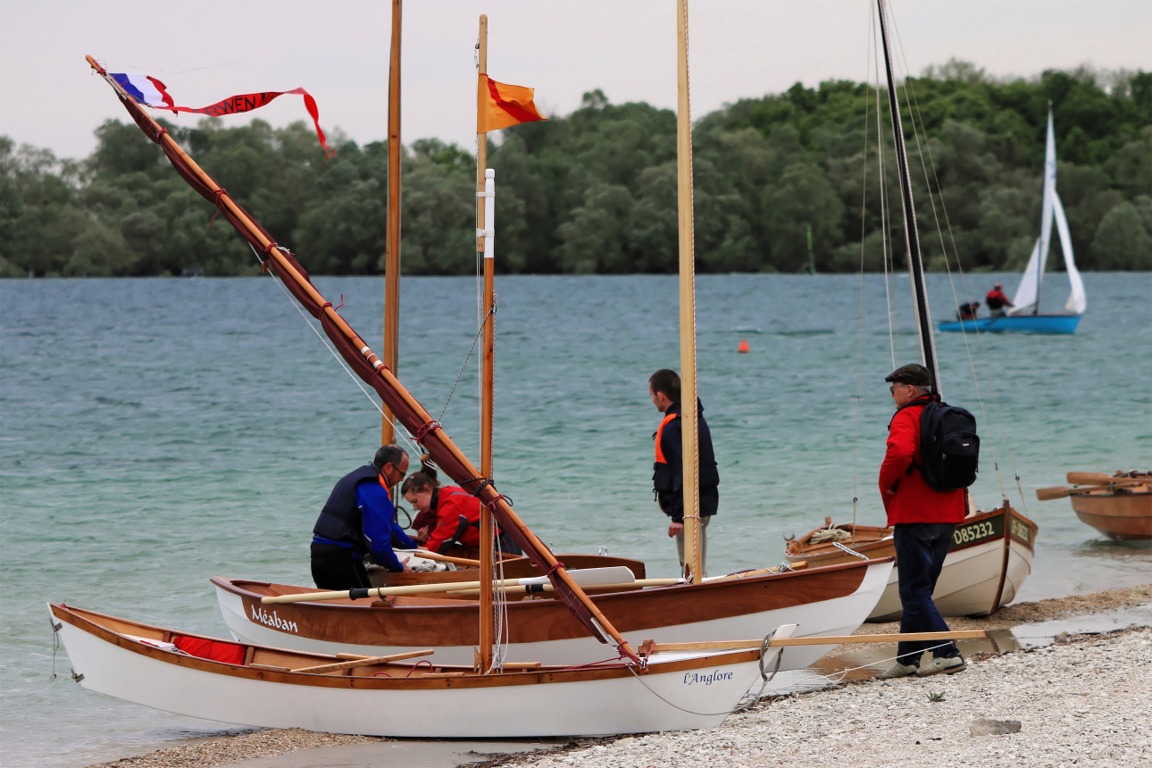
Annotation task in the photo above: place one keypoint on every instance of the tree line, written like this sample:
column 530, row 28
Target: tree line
column 783, row 183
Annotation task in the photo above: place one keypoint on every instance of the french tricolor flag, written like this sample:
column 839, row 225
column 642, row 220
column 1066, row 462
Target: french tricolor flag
column 144, row 89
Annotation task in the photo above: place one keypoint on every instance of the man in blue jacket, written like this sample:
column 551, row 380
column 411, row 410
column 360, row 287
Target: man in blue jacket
column 359, row 519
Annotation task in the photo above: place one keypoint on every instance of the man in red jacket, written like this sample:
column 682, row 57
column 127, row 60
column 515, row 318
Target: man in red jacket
column 923, row 520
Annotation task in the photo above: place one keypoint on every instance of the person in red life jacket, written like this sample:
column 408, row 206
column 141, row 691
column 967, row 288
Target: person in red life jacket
column 359, row 519
column 923, row 521
column 997, row 300
column 449, row 514
column 667, row 473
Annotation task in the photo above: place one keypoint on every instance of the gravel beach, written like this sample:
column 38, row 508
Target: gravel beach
column 1082, row 700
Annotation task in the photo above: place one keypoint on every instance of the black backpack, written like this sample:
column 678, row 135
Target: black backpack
column 949, row 446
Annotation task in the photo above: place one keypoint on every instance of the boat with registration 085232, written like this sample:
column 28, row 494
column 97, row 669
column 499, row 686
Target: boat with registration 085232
column 989, row 559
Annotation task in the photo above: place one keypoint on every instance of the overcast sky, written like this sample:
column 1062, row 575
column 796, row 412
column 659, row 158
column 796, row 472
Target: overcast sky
column 338, row 50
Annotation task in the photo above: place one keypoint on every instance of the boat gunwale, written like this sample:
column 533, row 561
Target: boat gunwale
column 447, row 676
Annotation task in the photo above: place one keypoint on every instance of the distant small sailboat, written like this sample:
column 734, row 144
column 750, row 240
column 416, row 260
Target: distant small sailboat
column 1025, row 316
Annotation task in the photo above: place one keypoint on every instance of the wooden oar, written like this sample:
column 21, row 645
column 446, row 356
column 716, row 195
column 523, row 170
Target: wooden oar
column 1060, row 491
column 547, row 586
column 616, row 574
column 364, row 661
column 1099, row 478
column 782, row 642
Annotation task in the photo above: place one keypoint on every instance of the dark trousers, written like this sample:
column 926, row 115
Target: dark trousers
column 920, row 552
column 335, row 567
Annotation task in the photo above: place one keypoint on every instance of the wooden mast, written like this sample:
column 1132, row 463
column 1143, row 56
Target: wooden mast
column 693, row 558
column 392, row 243
column 483, row 246
column 911, row 235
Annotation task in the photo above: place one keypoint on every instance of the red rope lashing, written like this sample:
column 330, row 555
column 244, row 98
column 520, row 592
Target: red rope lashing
column 217, row 193
column 425, row 429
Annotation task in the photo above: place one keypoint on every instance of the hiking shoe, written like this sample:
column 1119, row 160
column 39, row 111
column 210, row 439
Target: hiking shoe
column 947, row 665
column 898, row 670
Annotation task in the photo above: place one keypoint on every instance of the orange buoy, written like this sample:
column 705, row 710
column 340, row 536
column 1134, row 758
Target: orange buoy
column 743, row 348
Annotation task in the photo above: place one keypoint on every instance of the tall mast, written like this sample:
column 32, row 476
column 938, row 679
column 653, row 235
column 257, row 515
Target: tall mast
column 483, row 245
column 693, row 557
column 392, row 243
column 911, row 236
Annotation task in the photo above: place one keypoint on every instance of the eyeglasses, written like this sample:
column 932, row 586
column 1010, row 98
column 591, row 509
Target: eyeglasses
column 892, row 389
column 396, row 470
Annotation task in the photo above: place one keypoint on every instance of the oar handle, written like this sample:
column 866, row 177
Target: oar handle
column 1055, row 492
column 446, row 558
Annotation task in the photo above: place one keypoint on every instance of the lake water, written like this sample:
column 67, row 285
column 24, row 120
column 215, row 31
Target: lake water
column 159, row 432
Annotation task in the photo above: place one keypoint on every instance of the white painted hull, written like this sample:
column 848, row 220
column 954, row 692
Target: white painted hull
column 530, row 705
column 969, row 583
column 834, row 616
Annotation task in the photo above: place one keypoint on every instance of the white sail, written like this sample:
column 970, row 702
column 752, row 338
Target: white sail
column 1028, row 291
column 1077, row 300
column 1025, row 296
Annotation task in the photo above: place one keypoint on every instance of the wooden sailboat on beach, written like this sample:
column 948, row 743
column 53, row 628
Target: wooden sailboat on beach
column 625, row 690
column 992, row 551
column 1025, row 316
column 629, row 691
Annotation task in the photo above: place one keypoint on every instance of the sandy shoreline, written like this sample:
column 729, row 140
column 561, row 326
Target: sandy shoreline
column 1011, row 670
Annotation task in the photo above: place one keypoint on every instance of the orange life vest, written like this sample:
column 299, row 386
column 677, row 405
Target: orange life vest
column 659, row 433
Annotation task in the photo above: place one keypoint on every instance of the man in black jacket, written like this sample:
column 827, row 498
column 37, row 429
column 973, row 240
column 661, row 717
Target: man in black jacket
column 667, row 475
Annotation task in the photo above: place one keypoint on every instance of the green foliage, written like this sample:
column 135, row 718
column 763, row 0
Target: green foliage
column 596, row 191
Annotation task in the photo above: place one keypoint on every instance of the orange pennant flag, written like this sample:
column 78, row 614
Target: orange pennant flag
column 500, row 105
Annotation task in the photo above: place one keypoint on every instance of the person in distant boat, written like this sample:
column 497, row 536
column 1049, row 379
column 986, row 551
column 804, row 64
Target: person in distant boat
column 923, row 520
column 447, row 514
column 667, row 474
column 997, row 300
column 359, row 519
column 968, row 311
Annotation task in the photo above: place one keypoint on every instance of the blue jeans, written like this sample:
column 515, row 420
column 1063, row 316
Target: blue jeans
column 920, row 552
